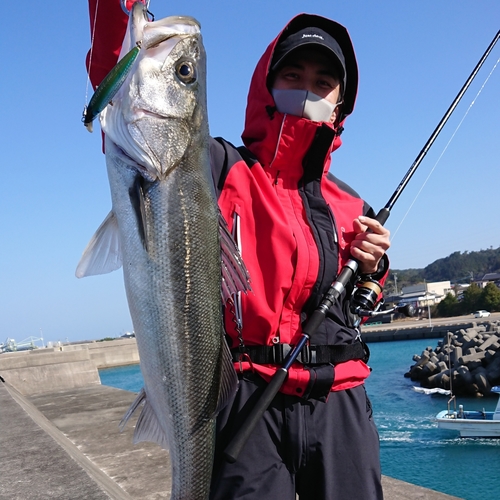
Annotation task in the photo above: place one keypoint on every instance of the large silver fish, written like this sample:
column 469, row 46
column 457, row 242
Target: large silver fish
column 164, row 228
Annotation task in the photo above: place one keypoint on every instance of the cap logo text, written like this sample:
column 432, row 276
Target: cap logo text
column 312, row 36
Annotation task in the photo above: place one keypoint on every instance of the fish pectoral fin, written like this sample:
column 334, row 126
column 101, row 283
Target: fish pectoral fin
column 235, row 277
column 137, row 201
column 229, row 378
column 147, row 427
column 103, row 253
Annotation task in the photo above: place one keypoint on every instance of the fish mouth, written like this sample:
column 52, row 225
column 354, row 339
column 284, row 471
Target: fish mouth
column 172, row 21
column 157, row 32
column 146, row 113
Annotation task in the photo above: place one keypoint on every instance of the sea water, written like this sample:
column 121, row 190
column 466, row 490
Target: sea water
column 412, row 448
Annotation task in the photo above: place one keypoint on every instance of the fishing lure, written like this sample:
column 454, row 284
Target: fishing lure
column 109, row 87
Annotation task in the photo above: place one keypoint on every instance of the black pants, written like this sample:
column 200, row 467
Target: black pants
column 317, row 450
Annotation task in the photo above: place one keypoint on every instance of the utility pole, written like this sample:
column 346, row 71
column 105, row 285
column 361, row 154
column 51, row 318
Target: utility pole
column 395, row 284
column 429, row 309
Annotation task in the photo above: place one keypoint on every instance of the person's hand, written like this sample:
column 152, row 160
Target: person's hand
column 369, row 247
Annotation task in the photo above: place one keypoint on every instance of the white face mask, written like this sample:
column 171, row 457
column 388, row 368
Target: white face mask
column 303, row 103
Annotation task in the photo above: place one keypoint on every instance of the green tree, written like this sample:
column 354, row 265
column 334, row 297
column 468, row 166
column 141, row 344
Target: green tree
column 449, row 306
column 458, row 267
column 472, row 299
column 490, row 297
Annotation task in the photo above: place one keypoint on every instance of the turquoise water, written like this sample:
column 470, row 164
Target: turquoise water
column 412, row 448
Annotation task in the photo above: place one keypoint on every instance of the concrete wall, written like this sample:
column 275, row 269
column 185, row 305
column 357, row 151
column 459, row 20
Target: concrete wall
column 406, row 333
column 48, row 370
column 119, row 352
column 65, row 367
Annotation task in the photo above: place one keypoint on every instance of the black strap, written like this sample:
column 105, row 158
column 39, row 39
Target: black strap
column 310, row 354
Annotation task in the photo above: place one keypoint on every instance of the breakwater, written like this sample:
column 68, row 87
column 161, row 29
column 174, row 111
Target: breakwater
column 467, row 360
column 69, row 446
column 405, row 332
column 76, row 365
column 65, row 367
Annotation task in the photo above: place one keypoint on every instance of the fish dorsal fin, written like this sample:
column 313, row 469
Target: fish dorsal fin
column 229, row 378
column 147, row 427
column 235, row 277
column 103, row 253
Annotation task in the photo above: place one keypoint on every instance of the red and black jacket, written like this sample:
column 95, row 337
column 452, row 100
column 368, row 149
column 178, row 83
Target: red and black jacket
column 294, row 223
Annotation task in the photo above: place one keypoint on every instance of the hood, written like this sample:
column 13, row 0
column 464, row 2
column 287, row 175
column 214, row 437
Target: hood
column 264, row 125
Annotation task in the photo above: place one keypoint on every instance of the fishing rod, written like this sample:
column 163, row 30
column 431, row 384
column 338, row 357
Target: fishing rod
column 364, row 298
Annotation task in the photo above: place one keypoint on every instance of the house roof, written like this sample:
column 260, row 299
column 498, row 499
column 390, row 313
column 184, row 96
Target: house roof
column 420, row 288
column 491, row 277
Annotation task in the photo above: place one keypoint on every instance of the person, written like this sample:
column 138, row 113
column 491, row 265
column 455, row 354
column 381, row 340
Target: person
column 296, row 224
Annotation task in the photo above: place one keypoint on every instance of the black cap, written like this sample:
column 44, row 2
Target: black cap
column 311, row 36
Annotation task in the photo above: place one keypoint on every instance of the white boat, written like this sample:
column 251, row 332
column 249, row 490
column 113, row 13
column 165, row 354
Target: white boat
column 475, row 424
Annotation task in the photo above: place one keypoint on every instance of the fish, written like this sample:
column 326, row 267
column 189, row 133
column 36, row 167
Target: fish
column 179, row 260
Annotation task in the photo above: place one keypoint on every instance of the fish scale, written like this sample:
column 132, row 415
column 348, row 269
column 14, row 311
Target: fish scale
column 167, row 287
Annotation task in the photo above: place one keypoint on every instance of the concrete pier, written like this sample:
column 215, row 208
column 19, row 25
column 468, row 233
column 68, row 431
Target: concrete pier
column 405, row 331
column 66, row 445
column 65, row 367
column 76, row 365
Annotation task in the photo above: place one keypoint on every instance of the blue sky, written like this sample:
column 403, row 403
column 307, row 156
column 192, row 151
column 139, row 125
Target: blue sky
column 413, row 57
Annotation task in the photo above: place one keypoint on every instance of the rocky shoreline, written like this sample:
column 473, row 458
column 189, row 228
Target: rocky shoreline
column 466, row 361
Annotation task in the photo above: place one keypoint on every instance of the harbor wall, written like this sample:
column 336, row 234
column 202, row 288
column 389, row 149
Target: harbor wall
column 48, row 370
column 76, row 365
column 119, row 352
column 410, row 333
column 65, row 367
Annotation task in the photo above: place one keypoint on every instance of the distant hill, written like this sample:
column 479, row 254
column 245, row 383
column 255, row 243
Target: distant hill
column 457, row 268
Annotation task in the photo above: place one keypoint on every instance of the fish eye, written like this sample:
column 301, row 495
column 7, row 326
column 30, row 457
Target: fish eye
column 186, row 71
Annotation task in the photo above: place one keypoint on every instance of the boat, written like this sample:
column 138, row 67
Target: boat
column 471, row 424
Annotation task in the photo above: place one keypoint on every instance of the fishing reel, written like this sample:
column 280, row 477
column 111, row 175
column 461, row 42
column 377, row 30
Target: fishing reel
column 364, row 300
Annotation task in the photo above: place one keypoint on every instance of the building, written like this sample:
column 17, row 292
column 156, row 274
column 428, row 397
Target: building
column 424, row 294
column 488, row 278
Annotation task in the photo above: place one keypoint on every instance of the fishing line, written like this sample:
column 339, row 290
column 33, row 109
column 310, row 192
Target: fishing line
column 90, row 53
column 393, row 235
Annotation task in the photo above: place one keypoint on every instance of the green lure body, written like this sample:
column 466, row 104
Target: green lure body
column 109, row 87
